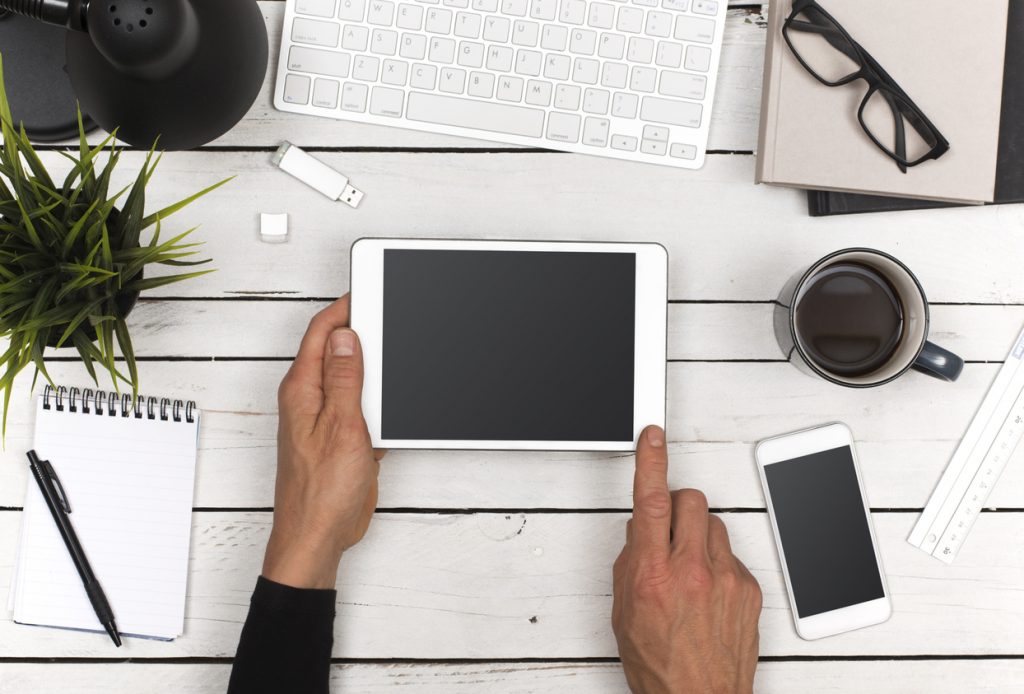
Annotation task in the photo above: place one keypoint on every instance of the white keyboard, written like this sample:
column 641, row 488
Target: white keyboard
column 629, row 79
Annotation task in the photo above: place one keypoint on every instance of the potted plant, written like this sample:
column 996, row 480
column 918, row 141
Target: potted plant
column 73, row 256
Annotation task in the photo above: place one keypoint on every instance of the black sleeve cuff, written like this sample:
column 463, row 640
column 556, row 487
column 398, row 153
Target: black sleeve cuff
column 273, row 596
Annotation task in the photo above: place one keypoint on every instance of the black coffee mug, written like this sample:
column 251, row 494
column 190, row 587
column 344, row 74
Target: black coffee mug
column 859, row 318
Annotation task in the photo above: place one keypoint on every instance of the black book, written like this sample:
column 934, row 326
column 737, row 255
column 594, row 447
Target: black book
column 1009, row 164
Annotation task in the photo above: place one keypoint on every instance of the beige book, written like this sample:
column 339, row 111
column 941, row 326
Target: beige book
column 947, row 56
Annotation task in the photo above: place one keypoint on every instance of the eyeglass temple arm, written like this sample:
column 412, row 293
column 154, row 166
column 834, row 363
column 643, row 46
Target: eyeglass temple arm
column 830, row 34
column 900, row 149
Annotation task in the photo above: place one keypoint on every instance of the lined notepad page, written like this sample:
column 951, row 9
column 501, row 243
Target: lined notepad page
column 130, row 483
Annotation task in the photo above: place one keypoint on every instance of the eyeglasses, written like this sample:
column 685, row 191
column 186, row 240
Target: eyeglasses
column 889, row 117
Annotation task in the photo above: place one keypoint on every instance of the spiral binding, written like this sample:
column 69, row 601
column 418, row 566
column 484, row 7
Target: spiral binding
column 102, row 403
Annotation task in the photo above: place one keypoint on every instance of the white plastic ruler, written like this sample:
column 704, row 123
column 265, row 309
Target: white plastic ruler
column 979, row 459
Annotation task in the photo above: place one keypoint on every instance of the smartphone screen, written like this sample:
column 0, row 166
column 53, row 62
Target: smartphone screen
column 823, row 529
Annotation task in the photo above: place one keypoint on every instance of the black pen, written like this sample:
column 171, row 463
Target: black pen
column 57, row 501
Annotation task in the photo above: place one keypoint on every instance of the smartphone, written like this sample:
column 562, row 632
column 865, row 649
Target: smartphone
column 823, row 531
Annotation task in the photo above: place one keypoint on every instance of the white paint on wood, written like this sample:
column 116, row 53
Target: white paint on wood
column 828, row 677
column 539, row 585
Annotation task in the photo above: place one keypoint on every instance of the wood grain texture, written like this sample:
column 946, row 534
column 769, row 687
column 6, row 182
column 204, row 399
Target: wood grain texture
column 878, row 677
column 906, row 434
column 727, row 239
column 539, row 585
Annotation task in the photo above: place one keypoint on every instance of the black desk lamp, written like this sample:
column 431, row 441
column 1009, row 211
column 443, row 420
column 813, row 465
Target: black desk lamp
column 183, row 70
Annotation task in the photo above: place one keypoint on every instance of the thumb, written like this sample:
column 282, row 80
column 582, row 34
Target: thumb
column 343, row 376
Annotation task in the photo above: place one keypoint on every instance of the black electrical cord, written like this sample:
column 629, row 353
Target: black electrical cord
column 65, row 13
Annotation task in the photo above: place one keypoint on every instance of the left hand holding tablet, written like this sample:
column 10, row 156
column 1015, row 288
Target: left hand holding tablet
column 326, row 488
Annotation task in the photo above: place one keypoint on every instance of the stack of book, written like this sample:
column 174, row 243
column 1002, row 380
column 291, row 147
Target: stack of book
column 966, row 75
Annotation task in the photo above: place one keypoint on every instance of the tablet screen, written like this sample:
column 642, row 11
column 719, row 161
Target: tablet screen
column 508, row 345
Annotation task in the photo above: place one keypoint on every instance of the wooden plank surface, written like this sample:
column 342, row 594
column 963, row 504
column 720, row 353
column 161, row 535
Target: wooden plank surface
column 488, row 586
column 878, row 677
column 906, row 434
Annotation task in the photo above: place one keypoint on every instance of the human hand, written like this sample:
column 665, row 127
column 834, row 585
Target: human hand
column 685, row 611
column 326, row 488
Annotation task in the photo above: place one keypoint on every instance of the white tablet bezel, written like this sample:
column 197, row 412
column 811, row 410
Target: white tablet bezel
column 795, row 445
column 367, row 286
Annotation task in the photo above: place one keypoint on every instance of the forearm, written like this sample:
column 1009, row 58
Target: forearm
column 286, row 641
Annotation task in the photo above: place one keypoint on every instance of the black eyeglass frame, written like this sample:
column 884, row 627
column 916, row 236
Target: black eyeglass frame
column 878, row 80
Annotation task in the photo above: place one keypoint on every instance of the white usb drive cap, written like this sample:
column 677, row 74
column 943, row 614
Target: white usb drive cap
column 316, row 174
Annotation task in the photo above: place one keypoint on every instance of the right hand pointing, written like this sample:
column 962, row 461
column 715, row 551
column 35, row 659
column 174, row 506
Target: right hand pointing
column 686, row 609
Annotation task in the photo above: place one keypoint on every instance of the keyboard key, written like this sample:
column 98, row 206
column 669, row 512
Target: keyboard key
column 442, row 50
column 296, row 89
column 573, row 11
column 510, row 89
column 467, row 25
column 640, row 50
column 563, row 127
column 695, row 29
column 698, row 58
column 528, row 62
column 682, row 84
column 413, row 46
column 396, row 72
column 678, row 5
column 384, row 42
column 631, row 20
column 554, row 37
column 386, row 102
column 485, row 5
column 669, row 54
column 514, row 7
column 585, row 71
column 646, row 3
column 315, row 8
column 681, row 151
column 612, row 46
column 457, row 3
column 556, row 67
column 355, row 37
column 544, row 9
column 481, row 115
column 596, row 101
column 624, row 142
column 325, row 92
column 381, row 12
column 471, row 54
column 439, row 20
column 499, row 59
column 538, row 93
column 481, row 84
column 353, row 97
column 705, row 6
column 525, row 33
column 410, row 17
column 496, row 29
column 614, row 75
column 453, row 80
column 659, row 24
column 643, row 79
column 316, row 33
column 624, row 105
column 658, row 133
column 602, row 15
column 423, row 76
column 583, row 41
column 595, row 132
column 352, row 10
column 684, row 113
column 320, row 62
column 567, row 96
column 366, row 68
column 653, row 147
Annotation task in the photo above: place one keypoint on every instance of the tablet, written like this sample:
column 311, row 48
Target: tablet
column 510, row 345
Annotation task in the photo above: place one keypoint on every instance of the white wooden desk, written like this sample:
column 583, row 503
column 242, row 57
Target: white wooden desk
column 491, row 572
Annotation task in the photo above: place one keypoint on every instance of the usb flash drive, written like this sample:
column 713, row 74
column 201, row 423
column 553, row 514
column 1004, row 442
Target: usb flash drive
column 316, row 174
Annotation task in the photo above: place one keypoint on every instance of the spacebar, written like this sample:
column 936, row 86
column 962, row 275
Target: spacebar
column 482, row 115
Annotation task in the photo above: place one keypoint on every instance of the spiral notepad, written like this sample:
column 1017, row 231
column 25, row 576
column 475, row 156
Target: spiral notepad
column 128, row 469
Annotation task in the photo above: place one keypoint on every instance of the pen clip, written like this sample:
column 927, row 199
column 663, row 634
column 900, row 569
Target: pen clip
column 61, row 494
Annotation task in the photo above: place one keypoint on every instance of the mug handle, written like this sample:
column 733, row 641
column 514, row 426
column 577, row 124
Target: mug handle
column 939, row 363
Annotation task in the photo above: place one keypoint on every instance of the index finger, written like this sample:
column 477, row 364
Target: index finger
column 652, row 505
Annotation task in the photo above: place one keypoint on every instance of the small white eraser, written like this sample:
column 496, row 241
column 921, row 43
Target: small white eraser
column 316, row 174
column 274, row 228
